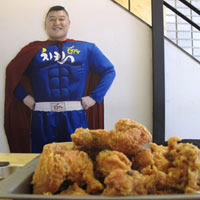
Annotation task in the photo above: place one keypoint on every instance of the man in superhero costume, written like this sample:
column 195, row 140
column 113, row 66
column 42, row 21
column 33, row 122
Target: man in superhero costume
column 50, row 78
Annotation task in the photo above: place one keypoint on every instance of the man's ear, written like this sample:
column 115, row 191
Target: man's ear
column 45, row 25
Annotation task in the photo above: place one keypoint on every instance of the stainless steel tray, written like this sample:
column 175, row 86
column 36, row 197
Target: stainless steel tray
column 17, row 186
column 7, row 171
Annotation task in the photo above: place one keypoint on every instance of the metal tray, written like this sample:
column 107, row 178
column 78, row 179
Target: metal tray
column 7, row 171
column 17, row 186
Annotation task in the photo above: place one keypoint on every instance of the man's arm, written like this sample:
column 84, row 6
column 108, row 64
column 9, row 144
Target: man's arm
column 101, row 65
column 87, row 102
column 29, row 102
column 24, row 97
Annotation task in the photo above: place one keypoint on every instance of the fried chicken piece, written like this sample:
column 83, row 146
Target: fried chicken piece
column 154, row 156
column 179, row 165
column 159, row 153
column 172, row 142
column 185, row 172
column 125, row 124
column 154, row 162
column 193, row 181
column 74, row 190
column 90, row 139
column 142, row 159
column 108, row 161
column 158, row 181
column 127, row 137
column 120, row 183
column 57, row 164
column 51, row 170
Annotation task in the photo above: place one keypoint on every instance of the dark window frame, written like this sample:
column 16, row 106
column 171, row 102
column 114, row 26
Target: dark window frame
column 158, row 72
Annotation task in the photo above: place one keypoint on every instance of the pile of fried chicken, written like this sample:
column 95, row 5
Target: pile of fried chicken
column 117, row 163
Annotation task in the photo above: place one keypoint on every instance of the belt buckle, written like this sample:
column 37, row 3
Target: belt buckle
column 58, row 106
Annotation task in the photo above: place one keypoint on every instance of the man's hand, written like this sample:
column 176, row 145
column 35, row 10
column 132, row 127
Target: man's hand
column 87, row 102
column 29, row 101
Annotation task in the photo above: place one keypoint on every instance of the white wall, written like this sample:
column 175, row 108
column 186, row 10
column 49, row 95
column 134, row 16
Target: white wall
column 182, row 94
column 124, row 39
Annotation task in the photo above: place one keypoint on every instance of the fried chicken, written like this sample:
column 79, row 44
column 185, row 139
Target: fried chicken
column 118, row 159
column 153, row 156
column 159, row 153
column 121, row 182
column 57, row 164
column 178, row 164
column 74, row 190
column 142, row 159
column 87, row 139
column 158, row 180
column 127, row 137
column 185, row 172
column 108, row 161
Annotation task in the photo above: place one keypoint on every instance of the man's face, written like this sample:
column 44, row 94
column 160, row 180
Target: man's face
column 57, row 25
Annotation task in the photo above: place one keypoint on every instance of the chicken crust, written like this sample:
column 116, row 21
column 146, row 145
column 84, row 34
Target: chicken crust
column 86, row 139
column 57, row 165
column 74, row 190
column 185, row 171
column 127, row 137
column 108, row 161
column 122, row 183
column 142, row 159
column 177, row 163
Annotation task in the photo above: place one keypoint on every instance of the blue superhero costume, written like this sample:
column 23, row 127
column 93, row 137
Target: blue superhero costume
column 58, row 72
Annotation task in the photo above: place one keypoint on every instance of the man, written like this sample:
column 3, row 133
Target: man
column 58, row 70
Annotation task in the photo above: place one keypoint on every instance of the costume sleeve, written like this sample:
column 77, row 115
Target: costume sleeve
column 100, row 64
column 20, row 92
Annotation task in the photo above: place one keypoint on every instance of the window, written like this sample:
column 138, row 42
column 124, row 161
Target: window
column 181, row 32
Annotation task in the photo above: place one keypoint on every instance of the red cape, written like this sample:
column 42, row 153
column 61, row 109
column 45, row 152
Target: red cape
column 17, row 116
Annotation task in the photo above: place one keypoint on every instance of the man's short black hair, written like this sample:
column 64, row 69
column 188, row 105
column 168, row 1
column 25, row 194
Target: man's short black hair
column 57, row 8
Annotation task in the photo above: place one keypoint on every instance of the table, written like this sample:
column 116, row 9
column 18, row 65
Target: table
column 17, row 159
